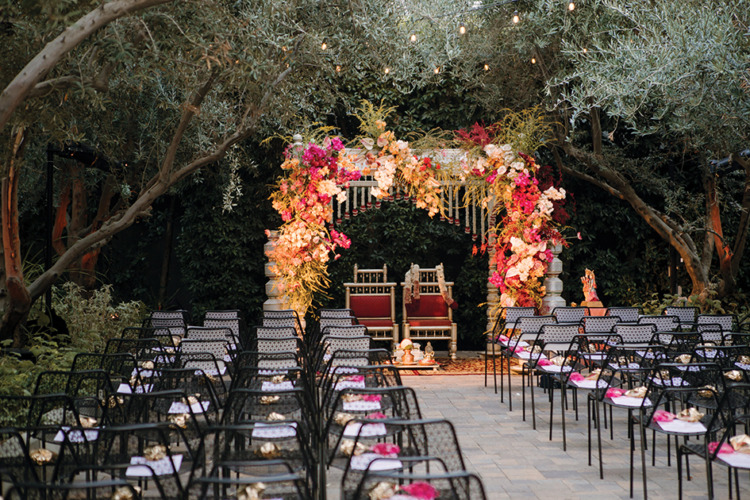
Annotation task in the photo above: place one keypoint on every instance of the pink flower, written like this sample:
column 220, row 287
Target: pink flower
column 356, row 378
column 376, row 415
column 386, row 449
column 502, row 338
column 372, row 397
column 579, row 235
column 725, row 448
column 421, row 490
column 662, row 416
column 576, row 377
column 544, row 362
column 614, row 392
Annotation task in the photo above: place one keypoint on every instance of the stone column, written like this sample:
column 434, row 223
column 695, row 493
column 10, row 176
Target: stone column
column 552, row 284
column 275, row 300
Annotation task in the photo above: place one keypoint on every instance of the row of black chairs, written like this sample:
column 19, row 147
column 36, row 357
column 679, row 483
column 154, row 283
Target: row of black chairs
column 664, row 370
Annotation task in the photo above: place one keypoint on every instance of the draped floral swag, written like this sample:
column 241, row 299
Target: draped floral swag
column 492, row 170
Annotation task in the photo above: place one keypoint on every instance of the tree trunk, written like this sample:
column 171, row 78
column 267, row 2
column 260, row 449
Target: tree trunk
column 18, row 300
column 727, row 284
column 666, row 228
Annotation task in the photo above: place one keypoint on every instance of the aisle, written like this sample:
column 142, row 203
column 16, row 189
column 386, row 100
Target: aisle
column 516, row 461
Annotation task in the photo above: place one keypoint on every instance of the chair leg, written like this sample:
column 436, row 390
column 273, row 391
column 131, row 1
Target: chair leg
column 632, row 450
column 510, row 390
column 494, row 368
column 589, row 416
column 562, row 412
column 709, row 477
column 643, row 456
column 551, row 409
column 533, row 406
column 523, row 393
column 679, row 474
column 485, row 362
column 599, row 438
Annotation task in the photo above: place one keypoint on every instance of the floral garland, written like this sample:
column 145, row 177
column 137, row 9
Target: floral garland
column 316, row 175
column 525, row 228
column 491, row 170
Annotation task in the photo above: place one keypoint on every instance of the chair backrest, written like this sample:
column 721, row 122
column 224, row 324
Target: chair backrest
column 662, row 323
column 635, row 334
column 371, row 295
column 727, row 322
column 335, row 343
column 279, row 322
column 599, row 324
column 513, row 314
column 336, row 313
column 337, row 321
column 222, row 314
column 626, row 314
column 569, row 314
column 267, row 332
column 685, row 314
column 558, row 337
column 216, row 347
column 287, row 344
column 711, row 332
column 431, row 304
column 531, row 325
column 232, row 323
column 210, row 333
column 345, row 330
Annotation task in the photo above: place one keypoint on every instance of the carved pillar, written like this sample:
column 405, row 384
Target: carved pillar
column 552, row 284
column 275, row 300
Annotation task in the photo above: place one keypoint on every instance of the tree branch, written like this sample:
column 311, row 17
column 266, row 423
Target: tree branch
column 25, row 81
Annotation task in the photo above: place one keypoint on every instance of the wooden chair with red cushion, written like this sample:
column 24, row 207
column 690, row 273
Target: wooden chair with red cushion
column 373, row 300
column 429, row 317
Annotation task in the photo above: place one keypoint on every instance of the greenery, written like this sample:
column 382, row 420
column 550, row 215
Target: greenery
column 399, row 234
column 91, row 319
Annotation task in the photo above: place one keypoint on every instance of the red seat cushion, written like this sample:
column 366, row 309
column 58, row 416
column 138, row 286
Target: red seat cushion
column 369, row 323
column 371, row 306
column 428, row 306
column 429, row 322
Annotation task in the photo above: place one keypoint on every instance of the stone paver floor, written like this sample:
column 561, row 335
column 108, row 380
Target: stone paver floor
column 518, row 462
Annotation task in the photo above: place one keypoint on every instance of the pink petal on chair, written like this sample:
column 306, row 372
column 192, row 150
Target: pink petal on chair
column 663, row 416
column 614, row 392
column 725, row 448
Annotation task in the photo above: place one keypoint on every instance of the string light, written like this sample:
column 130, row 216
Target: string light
column 585, row 50
column 533, row 60
column 516, row 18
column 387, row 70
column 324, row 45
column 338, row 68
column 413, row 37
column 462, row 29
column 571, row 6
column 486, row 67
column 437, row 70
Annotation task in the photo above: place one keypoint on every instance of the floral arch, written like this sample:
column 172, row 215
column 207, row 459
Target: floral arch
column 490, row 179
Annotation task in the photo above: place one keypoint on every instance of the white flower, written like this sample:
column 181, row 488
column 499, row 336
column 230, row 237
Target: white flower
column 492, row 151
column 506, row 147
column 517, row 165
column 555, row 194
